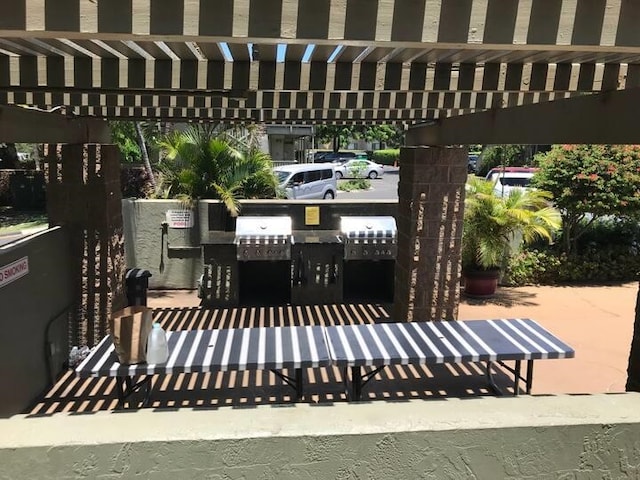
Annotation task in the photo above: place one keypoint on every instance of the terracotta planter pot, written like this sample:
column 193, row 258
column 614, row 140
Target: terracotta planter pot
column 481, row 283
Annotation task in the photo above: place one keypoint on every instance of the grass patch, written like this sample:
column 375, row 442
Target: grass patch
column 354, row 184
column 13, row 222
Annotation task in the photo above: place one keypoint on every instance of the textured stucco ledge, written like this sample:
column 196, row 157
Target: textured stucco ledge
column 305, row 420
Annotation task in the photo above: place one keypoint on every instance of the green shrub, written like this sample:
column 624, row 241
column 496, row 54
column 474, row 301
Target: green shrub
column 530, row 267
column 610, row 231
column 386, row 157
column 354, row 184
column 608, row 252
column 5, row 192
column 595, row 265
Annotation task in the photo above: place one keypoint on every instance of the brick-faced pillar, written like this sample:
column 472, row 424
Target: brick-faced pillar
column 430, row 209
column 83, row 194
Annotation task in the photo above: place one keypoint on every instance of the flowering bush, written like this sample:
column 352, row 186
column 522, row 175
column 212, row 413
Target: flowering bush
column 589, row 182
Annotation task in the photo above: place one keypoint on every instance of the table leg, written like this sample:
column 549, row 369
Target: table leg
column 529, row 376
column 299, row 384
column 296, row 382
column 491, row 381
column 125, row 388
column 516, row 378
column 356, row 383
column 120, row 391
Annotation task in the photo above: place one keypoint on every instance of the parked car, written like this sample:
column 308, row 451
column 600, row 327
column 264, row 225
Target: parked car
column 492, row 175
column 472, row 166
column 505, row 182
column 359, row 168
column 318, row 155
column 333, row 157
column 307, row 181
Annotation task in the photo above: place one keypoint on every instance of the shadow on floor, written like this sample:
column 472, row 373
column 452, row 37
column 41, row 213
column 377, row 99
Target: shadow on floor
column 250, row 388
column 504, row 297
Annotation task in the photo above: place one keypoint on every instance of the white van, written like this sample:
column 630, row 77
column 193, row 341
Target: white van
column 307, row 181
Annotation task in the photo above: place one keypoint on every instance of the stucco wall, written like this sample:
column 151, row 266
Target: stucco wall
column 174, row 259
column 33, row 320
column 485, row 438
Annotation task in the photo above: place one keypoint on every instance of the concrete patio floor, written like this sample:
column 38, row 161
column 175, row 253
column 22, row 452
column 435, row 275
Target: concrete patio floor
column 596, row 321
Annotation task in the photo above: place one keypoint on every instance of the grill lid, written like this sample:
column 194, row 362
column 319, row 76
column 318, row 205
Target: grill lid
column 364, row 228
column 369, row 238
column 257, row 227
column 263, row 238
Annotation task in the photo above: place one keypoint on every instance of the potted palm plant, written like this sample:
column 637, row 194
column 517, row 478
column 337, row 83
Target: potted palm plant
column 493, row 225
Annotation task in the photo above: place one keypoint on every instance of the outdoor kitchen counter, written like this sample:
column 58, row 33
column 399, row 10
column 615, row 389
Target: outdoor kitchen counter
column 317, row 236
column 219, row 237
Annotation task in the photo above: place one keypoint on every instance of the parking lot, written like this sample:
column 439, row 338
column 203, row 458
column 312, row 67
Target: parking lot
column 383, row 188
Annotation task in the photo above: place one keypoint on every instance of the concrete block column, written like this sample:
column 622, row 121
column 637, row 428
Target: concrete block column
column 430, row 210
column 83, row 194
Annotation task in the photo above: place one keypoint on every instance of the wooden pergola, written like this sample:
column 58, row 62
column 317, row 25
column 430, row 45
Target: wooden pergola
column 312, row 61
column 458, row 71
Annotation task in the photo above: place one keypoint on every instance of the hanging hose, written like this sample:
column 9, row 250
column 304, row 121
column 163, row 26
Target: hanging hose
column 164, row 229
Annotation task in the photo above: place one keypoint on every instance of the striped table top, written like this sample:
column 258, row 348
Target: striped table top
column 220, row 350
column 443, row 342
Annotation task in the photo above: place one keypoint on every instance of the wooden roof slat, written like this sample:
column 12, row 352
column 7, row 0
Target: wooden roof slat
column 321, row 53
column 181, row 50
column 295, row 52
column 349, row 54
column 266, row 52
column 239, row 52
column 211, row 50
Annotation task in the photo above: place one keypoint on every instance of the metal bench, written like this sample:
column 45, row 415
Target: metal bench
column 274, row 348
column 383, row 344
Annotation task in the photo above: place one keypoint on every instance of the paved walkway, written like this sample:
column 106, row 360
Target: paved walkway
column 596, row 321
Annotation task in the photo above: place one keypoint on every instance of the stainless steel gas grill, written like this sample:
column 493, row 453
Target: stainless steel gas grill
column 263, row 238
column 369, row 238
column 370, row 249
column 263, row 253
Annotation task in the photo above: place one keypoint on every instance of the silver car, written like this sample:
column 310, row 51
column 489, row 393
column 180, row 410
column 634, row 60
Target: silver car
column 359, row 168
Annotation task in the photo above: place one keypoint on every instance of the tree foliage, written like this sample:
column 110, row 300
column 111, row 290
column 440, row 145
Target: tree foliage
column 8, row 155
column 589, row 182
column 124, row 135
column 389, row 136
column 201, row 163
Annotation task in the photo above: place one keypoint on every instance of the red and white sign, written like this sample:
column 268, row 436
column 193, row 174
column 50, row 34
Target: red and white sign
column 13, row 271
column 179, row 218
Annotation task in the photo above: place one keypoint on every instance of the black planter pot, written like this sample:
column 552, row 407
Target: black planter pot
column 481, row 283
